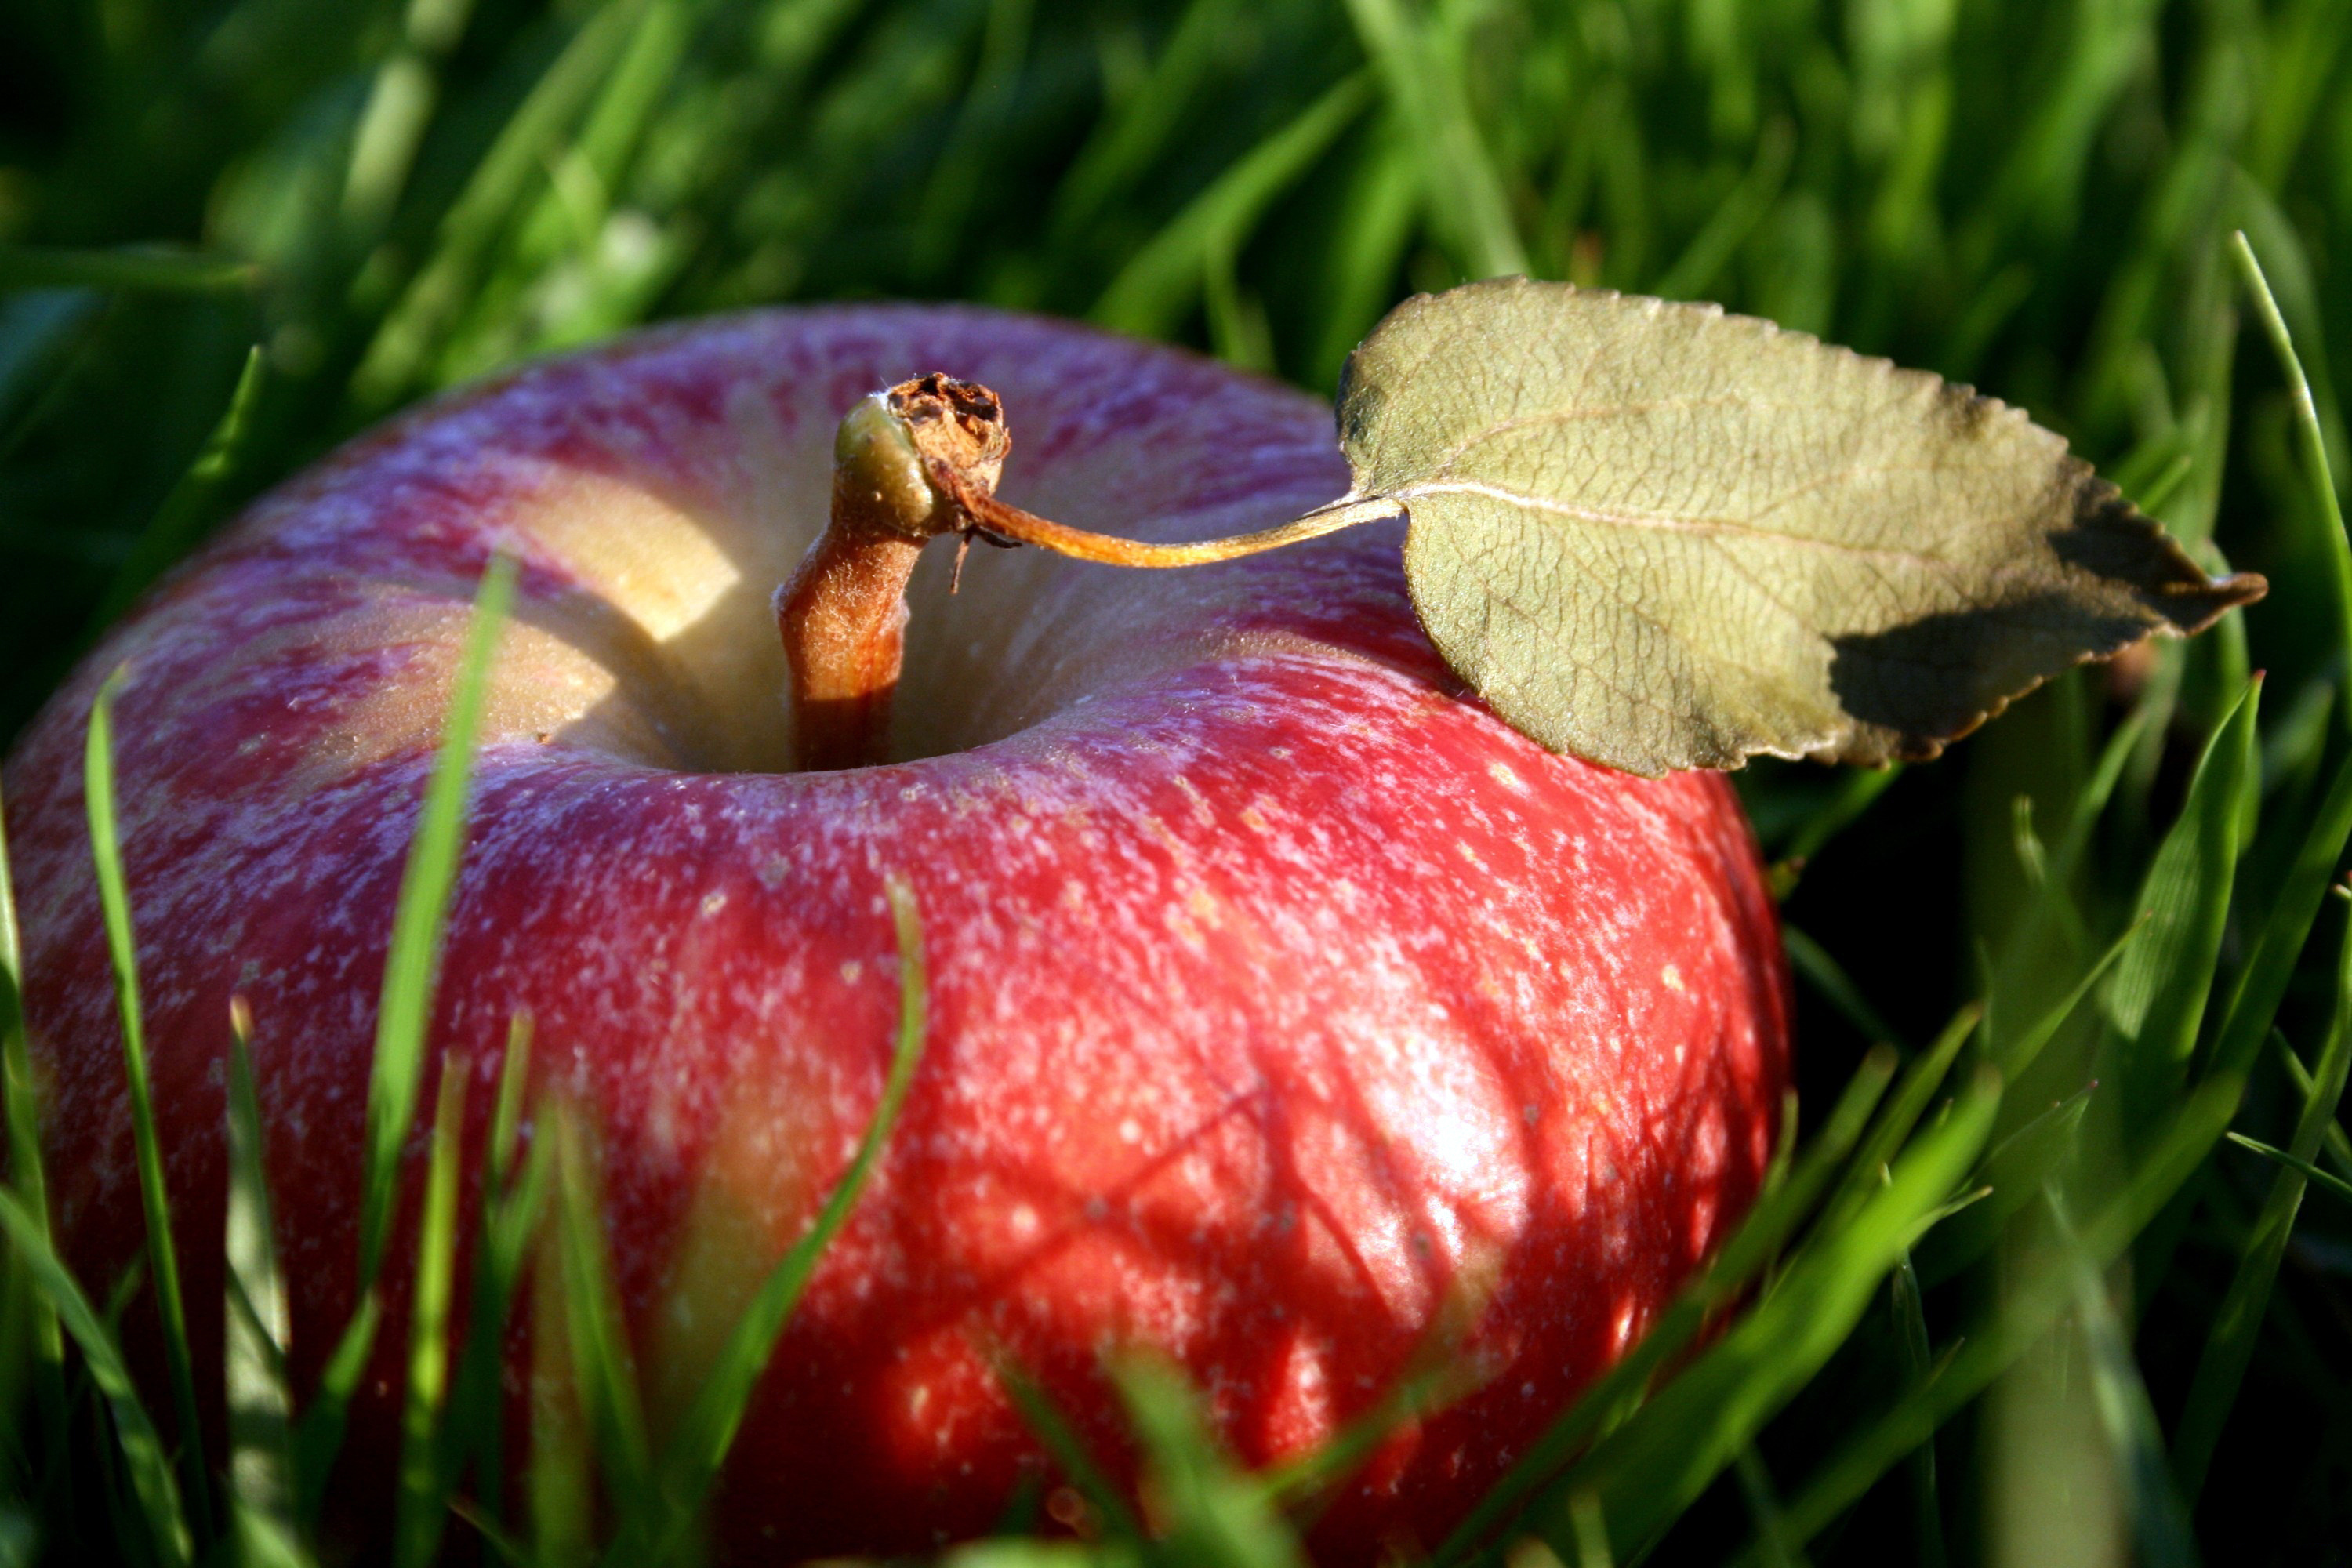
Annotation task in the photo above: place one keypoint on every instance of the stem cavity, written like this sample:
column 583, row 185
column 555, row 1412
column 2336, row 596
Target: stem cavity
column 843, row 616
column 911, row 464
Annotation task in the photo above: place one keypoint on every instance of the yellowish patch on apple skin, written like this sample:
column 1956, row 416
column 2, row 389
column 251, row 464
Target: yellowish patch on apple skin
column 761, row 1178
column 1672, row 979
column 663, row 566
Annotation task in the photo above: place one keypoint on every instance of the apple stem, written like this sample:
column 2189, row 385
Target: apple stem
column 908, row 464
column 842, row 617
column 1010, row 525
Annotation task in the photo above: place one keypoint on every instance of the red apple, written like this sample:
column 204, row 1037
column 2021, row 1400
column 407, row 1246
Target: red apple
column 1281, row 995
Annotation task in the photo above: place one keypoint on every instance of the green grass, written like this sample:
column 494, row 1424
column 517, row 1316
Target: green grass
column 260, row 1394
column 163, row 1261
column 234, row 232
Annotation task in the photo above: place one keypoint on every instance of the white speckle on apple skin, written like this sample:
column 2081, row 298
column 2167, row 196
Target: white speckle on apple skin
column 1288, row 1009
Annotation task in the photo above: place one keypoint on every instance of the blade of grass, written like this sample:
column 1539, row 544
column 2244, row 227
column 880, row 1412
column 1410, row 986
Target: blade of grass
column 125, row 1517
column 510, row 1209
column 1316, row 1475
column 2050, row 894
column 691, row 1460
column 2165, row 484
column 257, row 1326
column 142, row 1450
column 2307, row 45
column 561, row 1493
column 1458, row 174
column 400, row 104
column 2027, row 941
column 944, row 208
column 403, row 1015
column 26, row 1315
column 1380, row 210
column 1711, row 249
column 1606, row 1403
column 2311, row 444
column 2016, row 1325
column 2339, row 1141
column 1024, row 1505
column 602, row 1368
column 2271, row 234
column 42, row 337
column 509, row 313
column 1763, row 1507
column 1239, row 334
column 2028, row 1047
column 2230, row 1344
column 1153, row 291
column 163, row 1258
column 1214, row 1516
column 2261, row 984
column 1855, row 794
column 1908, row 1307
column 1046, row 1421
column 504, row 1546
column 1825, row 974
column 2013, row 1173
column 319, row 1434
column 411, row 331
column 2160, row 1521
column 506, row 1117
column 193, row 501
column 1913, row 1094
column 477, row 1391
column 1121, row 149
column 146, row 269
column 2328, row 1180
column 422, row 1505
column 59, row 389
column 2255, row 997
column 1589, row 1527
column 2293, row 749
column 1650, row 1469
column 412, row 962
column 2174, row 234
column 2158, row 995
column 126, row 1290
column 20, row 1534
column 1023, row 1552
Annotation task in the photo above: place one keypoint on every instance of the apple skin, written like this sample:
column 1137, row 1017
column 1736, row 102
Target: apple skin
column 1287, row 1006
